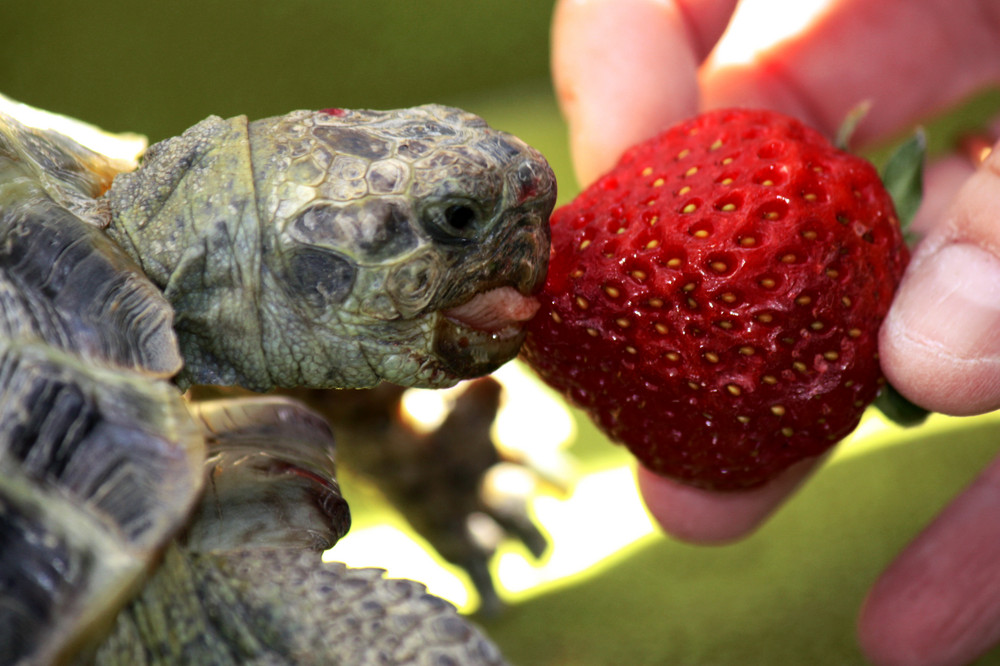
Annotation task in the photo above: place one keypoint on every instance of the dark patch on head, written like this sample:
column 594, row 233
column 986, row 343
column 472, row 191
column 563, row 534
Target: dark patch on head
column 352, row 142
column 322, row 277
column 320, row 224
column 500, row 148
column 375, row 229
column 384, row 230
column 386, row 177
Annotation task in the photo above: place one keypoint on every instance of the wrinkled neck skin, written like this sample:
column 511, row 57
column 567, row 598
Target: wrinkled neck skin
column 189, row 217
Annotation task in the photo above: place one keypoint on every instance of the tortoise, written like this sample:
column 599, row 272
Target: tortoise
column 334, row 248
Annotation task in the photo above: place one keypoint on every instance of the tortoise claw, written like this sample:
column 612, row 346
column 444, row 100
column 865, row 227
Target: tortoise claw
column 447, row 479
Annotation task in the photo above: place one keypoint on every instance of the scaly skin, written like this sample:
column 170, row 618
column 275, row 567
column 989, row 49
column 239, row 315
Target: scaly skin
column 329, row 244
column 230, row 608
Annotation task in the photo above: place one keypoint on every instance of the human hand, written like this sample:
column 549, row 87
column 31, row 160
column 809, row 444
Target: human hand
column 625, row 69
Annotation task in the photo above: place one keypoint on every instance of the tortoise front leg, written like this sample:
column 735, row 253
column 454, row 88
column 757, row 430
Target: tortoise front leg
column 270, row 478
column 246, row 583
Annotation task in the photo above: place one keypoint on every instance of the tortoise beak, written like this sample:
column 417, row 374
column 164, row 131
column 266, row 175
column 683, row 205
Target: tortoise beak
column 468, row 352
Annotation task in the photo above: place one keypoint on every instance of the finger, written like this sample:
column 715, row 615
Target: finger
column 940, row 343
column 943, row 179
column 825, row 58
column 705, row 517
column 939, row 602
column 623, row 69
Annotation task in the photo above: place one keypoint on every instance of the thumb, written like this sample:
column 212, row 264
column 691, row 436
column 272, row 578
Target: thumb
column 940, row 343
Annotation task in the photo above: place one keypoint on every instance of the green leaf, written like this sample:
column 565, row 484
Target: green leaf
column 898, row 409
column 903, row 177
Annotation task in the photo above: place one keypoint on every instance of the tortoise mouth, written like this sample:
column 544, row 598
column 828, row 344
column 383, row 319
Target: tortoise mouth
column 494, row 311
column 476, row 337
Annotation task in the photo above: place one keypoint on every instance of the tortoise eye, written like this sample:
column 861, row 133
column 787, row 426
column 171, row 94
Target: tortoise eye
column 460, row 217
column 453, row 223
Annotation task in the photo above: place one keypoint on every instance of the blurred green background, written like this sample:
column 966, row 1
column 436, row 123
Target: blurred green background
column 159, row 67
column 788, row 595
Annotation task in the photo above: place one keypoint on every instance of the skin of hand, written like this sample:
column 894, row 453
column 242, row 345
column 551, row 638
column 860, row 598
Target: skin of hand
column 625, row 69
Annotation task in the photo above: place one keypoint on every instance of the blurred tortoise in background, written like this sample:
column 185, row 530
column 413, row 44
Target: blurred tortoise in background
column 319, row 249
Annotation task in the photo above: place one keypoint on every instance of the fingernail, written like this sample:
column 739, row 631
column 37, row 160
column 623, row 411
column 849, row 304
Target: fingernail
column 950, row 300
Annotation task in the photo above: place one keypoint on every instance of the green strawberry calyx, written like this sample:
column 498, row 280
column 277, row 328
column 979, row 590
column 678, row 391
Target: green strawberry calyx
column 903, row 177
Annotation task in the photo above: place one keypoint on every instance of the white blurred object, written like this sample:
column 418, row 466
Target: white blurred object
column 124, row 148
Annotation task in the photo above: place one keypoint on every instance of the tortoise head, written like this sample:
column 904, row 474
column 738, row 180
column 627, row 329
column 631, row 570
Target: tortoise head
column 401, row 246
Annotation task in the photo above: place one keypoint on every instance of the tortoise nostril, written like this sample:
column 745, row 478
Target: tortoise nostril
column 527, row 182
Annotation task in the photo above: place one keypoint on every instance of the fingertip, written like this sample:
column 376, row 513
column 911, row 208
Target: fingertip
column 705, row 517
column 790, row 56
column 623, row 69
column 939, row 345
column 938, row 603
column 884, row 641
column 883, row 637
column 943, row 180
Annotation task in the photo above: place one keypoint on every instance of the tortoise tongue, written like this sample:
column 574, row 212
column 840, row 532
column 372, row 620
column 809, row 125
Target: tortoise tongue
column 494, row 310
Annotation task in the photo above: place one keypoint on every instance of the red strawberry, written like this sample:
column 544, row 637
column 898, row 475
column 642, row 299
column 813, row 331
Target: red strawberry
column 714, row 301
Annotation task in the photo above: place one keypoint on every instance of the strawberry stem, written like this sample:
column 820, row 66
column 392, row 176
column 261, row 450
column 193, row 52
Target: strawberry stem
column 850, row 124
